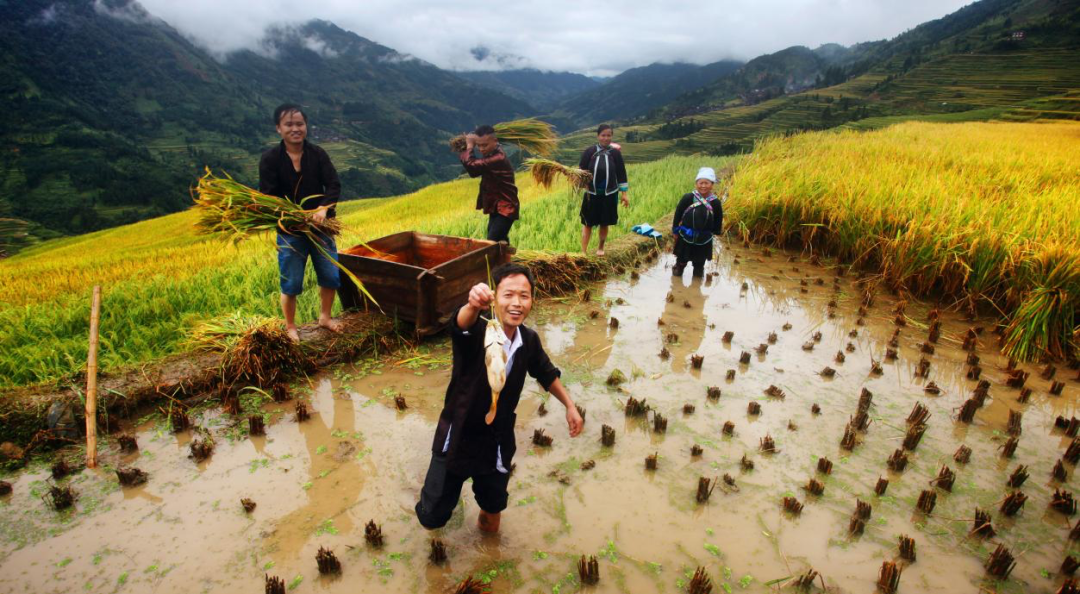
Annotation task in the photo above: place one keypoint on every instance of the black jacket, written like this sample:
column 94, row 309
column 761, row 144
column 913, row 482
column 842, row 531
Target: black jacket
column 609, row 175
column 317, row 177
column 704, row 236
column 473, row 443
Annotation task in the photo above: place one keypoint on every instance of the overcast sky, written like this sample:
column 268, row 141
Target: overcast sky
column 595, row 38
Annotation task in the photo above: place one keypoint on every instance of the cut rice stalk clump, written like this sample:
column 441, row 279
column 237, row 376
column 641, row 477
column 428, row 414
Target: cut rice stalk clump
column 967, row 411
column 922, row 369
column 866, row 398
column 875, row 367
column 616, row 378
column 849, row 441
column 256, row 425
column 824, row 466
column 729, row 428
column 840, row 357
column 705, row 488
column 1013, row 503
column 907, row 548
column 650, row 461
column 919, row 415
column 1059, row 473
column 131, row 477
column 5, row 488
column 744, row 358
column 588, row 570
column 400, row 404
column 248, row 504
column 827, row 372
column 607, row 436
column 753, row 408
column 767, row 445
column 472, row 586
column 881, row 486
column 772, row 338
column 635, row 408
column 302, row 413
column 746, row 463
column 774, row 392
column 1072, row 453
column 861, row 421
column 898, row 460
column 274, row 584
column 1000, row 563
column 762, row 349
column 814, row 487
column 815, row 409
column 962, row 455
column 201, row 449
column 914, row 436
column 806, row 580
column 696, row 450
column 972, row 360
column 863, row 509
column 1009, row 447
column 713, row 393
column 974, row 372
column 700, row 583
column 1056, row 388
column 1015, row 417
column 945, row 478
column 128, row 443
column 856, row 526
column 1018, row 476
column 1017, row 378
column 932, row 388
column 792, row 505
column 889, row 577
column 437, row 555
column 659, row 423
column 688, row 409
column 540, row 439
column 1063, row 502
column 545, row 171
column 373, row 534
column 982, row 525
column 327, row 561
column 891, row 354
column 927, row 501
column 60, row 498
column 178, row 418
column 696, row 361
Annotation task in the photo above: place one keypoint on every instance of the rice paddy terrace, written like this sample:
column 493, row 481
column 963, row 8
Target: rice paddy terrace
column 763, row 427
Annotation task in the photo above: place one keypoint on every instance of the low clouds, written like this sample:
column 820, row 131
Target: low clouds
column 601, row 38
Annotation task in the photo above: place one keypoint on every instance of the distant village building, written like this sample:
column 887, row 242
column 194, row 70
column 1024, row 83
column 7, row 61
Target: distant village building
column 1017, row 35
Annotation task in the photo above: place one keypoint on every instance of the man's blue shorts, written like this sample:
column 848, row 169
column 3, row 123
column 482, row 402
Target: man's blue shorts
column 293, row 252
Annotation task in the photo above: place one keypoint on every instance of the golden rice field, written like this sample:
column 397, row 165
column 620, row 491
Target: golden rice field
column 976, row 213
column 159, row 278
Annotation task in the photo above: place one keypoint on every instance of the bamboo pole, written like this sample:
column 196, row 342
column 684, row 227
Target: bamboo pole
column 91, row 382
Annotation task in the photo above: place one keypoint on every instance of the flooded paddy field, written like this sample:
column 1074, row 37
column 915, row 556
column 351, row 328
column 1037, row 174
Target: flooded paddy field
column 319, row 482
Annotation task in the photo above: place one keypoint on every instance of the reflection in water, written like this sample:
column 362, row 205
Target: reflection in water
column 684, row 316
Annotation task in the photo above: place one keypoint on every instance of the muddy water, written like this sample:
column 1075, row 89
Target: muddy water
column 318, row 483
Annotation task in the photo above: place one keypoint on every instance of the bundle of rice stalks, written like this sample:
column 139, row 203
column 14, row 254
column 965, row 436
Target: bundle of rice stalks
column 907, row 548
column 700, row 583
column 1000, row 563
column 327, row 561
column 889, row 577
column 544, row 172
column 881, row 486
column 529, row 134
column 607, row 436
column 231, row 210
column 588, row 570
column 373, row 534
column 438, row 552
column 257, row 350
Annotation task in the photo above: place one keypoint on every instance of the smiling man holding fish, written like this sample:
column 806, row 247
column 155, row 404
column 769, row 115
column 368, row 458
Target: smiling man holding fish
column 475, row 435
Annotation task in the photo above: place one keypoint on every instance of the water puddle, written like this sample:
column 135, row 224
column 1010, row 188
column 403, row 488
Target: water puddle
column 317, row 483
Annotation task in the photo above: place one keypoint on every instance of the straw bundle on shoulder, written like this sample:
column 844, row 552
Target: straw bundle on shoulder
column 544, row 171
column 529, row 134
column 231, row 210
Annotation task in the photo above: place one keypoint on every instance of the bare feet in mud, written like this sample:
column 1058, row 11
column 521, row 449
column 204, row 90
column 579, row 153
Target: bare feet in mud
column 330, row 324
column 294, row 335
column 600, row 253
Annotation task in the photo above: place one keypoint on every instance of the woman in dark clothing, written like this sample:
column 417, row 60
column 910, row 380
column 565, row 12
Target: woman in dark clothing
column 599, row 205
column 698, row 217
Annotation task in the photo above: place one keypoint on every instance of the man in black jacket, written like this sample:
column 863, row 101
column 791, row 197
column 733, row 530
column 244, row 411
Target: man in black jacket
column 302, row 172
column 465, row 446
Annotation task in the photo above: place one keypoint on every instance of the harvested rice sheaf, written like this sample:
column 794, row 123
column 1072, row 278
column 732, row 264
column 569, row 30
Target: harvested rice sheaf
column 327, row 561
column 588, row 570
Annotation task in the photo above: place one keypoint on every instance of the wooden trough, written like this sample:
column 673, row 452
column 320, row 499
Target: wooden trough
column 419, row 278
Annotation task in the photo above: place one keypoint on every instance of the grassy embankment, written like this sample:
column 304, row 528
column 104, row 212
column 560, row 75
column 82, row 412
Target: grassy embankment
column 159, row 278
column 985, row 213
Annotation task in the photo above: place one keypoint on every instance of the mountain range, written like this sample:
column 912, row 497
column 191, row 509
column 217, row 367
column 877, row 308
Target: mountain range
column 118, row 112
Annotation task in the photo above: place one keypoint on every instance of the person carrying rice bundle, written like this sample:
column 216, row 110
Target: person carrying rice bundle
column 475, row 434
column 698, row 217
column 599, row 206
column 498, row 197
column 302, row 172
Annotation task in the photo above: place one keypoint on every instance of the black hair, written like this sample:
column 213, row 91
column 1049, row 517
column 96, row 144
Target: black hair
column 510, row 269
column 287, row 108
column 484, row 130
column 603, row 127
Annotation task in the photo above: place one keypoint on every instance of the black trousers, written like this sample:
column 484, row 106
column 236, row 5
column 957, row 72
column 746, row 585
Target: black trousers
column 499, row 227
column 442, row 490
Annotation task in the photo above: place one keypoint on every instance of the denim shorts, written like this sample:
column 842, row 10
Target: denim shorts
column 293, row 252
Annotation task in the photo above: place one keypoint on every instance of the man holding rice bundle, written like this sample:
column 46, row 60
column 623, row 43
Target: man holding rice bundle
column 302, row 172
column 498, row 192
column 475, row 435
